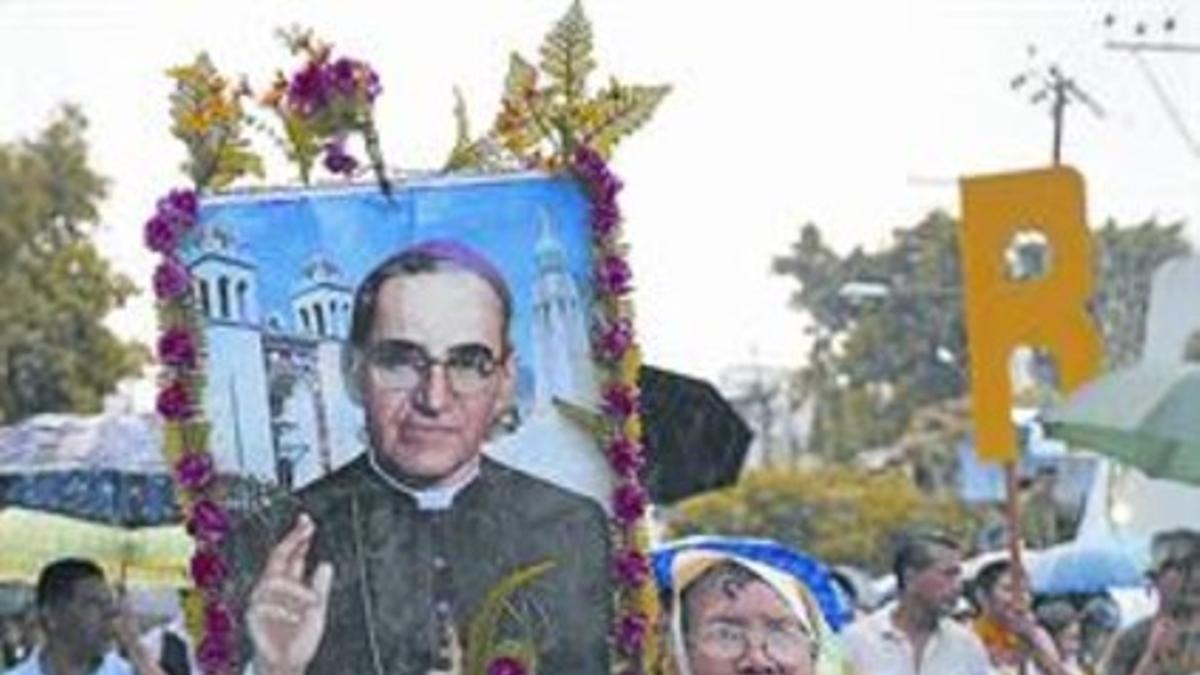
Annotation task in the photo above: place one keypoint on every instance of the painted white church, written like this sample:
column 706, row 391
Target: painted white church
column 275, row 394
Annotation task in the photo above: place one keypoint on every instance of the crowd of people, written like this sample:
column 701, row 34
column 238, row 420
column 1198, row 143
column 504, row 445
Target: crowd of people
column 736, row 611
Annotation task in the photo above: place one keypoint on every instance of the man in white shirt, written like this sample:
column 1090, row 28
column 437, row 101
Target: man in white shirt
column 917, row 636
column 81, row 619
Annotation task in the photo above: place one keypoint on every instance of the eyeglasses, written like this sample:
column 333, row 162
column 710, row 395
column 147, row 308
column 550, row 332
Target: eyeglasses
column 787, row 643
column 404, row 365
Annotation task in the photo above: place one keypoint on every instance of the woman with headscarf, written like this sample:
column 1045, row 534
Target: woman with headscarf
column 732, row 614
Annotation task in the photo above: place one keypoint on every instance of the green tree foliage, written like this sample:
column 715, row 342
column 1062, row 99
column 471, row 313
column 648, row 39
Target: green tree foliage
column 888, row 333
column 55, row 354
column 836, row 513
column 1125, row 259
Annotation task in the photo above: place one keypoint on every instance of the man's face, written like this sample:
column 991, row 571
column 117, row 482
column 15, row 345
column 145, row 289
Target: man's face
column 751, row 633
column 85, row 621
column 939, row 584
column 433, row 430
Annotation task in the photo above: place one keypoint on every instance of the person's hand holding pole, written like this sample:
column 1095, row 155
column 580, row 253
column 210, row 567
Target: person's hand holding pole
column 287, row 614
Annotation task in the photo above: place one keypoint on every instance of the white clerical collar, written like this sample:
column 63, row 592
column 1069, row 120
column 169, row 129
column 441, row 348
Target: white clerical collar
column 438, row 498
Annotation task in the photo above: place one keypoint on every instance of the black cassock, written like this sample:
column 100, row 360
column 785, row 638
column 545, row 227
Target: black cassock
column 401, row 572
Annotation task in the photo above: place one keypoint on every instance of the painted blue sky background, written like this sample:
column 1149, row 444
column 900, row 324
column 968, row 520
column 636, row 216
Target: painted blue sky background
column 357, row 228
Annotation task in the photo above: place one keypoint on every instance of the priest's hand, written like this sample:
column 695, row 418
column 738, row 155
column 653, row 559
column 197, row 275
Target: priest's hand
column 287, row 614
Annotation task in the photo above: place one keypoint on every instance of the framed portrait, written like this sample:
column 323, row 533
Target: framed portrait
column 385, row 384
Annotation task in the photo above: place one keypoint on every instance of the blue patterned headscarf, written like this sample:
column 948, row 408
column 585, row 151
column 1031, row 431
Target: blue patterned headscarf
column 806, row 569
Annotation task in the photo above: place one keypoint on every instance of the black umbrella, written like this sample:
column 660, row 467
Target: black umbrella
column 695, row 440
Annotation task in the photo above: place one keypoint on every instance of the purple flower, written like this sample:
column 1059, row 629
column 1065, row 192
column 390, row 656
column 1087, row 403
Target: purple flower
column 625, row 457
column 209, row 521
column 195, row 470
column 218, row 619
column 629, row 503
column 605, row 186
column 215, row 653
column 615, row 339
column 308, row 91
column 180, row 208
column 605, row 217
column 175, row 348
column 631, row 633
column 506, row 665
column 175, row 402
column 184, row 202
column 209, row 570
column 171, row 280
column 614, row 275
column 589, row 162
column 631, row 567
column 350, row 77
column 161, row 236
column 620, row 400
column 337, row 160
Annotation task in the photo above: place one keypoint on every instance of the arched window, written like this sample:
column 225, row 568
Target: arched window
column 205, row 302
column 304, row 321
column 319, row 314
column 223, row 296
column 243, row 290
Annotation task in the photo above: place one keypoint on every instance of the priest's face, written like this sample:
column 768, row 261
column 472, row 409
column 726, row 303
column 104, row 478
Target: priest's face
column 438, row 374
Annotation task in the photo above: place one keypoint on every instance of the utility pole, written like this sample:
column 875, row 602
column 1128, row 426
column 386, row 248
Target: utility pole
column 1053, row 86
column 1149, row 39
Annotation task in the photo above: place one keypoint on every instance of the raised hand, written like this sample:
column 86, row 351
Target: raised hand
column 286, row 617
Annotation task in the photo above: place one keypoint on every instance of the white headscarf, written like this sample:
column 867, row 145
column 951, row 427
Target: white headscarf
column 689, row 565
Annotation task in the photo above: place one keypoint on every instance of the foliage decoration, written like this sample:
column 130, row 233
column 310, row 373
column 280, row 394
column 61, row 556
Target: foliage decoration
column 547, row 111
column 206, row 114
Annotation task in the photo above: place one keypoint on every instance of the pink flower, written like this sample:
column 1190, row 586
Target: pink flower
column 195, row 470
column 209, row 570
column 171, row 280
column 629, row 503
column 614, row 275
column 215, row 653
column 631, row 567
column 615, row 339
column 620, row 401
column 181, row 208
column 160, row 234
column 175, row 402
column 175, row 348
column 625, row 457
column 209, row 521
column 218, row 619
column 631, row 633
column 506, row 665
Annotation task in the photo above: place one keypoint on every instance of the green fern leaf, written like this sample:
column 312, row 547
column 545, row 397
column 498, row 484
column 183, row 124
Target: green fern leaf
column 567, row 53
column 621, row 110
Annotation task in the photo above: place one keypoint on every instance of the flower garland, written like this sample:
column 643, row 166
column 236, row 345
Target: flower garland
column 617, row 350
column 185, row 435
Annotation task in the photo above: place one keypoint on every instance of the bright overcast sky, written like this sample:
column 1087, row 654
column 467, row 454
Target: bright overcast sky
column 855, row 114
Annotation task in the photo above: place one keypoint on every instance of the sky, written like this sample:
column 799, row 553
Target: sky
column 856, row 115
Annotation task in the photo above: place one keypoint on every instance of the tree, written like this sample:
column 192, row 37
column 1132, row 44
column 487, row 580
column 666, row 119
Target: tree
column 888, row 333
column 836, row 513
column 55, row 353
